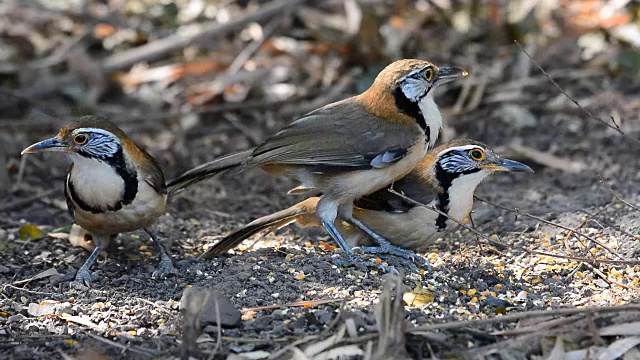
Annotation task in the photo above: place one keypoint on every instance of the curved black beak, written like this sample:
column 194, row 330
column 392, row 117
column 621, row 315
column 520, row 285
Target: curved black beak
column 447, row 74
column 53, row 144
column 507, row 165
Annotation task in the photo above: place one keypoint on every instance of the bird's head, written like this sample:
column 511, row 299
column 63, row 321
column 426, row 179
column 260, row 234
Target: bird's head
column 403, row 91
column 412, row 78
column 415, row 79
column 468, row 160
column 89, row 137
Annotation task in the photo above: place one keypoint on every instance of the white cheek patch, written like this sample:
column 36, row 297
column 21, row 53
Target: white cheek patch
column 456, row 163
column 101, row 142
column 413, row 88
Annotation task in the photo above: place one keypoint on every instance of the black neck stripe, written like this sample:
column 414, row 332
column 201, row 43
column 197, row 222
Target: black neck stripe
column 129, row 176
column 445, row 179
column 412, row 109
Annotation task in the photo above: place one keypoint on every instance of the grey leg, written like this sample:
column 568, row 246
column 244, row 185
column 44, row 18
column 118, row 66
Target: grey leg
column 384, row 246
column 83, row 276
column 166, row 265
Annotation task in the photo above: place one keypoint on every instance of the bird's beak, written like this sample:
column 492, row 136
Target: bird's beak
column 447, row 74
column 507, row 165
column 53, row 144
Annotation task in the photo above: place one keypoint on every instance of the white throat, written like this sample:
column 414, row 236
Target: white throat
column 461, row 194
column 96, row 182
column 432, row 117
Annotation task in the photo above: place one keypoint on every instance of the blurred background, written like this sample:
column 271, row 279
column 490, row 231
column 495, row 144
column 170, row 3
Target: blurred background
column 190, row 80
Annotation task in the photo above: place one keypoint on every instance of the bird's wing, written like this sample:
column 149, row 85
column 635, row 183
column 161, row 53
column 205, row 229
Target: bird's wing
column 412, row 186
column 339, row 137
column 152, row 173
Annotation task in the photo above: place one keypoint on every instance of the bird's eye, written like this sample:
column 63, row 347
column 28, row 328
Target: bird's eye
column 428, row 74
column 477, row 154
column 80, row 139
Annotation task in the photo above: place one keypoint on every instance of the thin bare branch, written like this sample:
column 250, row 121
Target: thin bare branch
column 573, row 100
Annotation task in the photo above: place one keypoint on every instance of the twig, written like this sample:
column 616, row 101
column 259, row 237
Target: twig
column 158, row 48
column 519, row 212
column 490, row 240
column 525, row 315
column 219, row 333
column 24, row 202
column 617, row 196
column 255, row 45
column 581, row 259
column 587, row 112
column 494, row 241
column 165, row 310
column 296, row 304
column 54, row 295
column 120, row 346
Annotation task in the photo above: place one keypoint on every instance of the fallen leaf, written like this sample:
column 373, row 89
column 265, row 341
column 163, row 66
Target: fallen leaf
column 29, row 231
column 327, row 247
column 632, row 328
column 619, row 348
column 81, row 237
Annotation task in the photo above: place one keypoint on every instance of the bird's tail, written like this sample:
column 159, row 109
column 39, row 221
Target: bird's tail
column 207, row 170
column 296, row 213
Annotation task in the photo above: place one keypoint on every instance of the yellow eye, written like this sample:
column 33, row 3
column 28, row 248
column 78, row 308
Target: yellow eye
column 428, row 74
column 80, row 139
column 477, row 154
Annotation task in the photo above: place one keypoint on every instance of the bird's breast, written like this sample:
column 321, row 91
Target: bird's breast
column 142, row 212
column 95, row 185
column 105, row 202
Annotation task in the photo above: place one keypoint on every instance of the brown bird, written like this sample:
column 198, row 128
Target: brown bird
column 112, row 186
column 446, row 179
column 353, row 147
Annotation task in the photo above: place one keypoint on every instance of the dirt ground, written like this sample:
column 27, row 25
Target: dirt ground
column 127, row 314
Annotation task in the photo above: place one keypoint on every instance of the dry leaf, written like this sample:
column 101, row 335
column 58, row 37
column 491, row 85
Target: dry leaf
column 30, row 231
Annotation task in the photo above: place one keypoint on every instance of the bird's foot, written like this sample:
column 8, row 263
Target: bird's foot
column 83, row 278
column 392, row 250
column 361, row 264
column 164, row 269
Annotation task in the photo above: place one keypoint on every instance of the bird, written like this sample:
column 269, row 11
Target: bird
column 352, row 147
column 112, row 186
column 445, row 179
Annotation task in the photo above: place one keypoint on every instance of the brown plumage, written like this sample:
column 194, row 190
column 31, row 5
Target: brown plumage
column 112, row 186
column 401, row 222
column 353, row 147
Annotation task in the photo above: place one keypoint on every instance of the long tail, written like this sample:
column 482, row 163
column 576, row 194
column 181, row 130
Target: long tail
column 207, row 170
column 277, row 220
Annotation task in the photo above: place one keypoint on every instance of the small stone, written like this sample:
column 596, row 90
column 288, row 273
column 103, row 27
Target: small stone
column 15, row 318
column 44, row 308
column 229, row 315
column 4, row 269
column 499, row 303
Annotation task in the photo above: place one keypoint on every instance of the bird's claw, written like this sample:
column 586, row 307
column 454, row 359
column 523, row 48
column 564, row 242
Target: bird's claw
column 83, row 279
column 362, row 264
column 164, row 269
column 393, row 250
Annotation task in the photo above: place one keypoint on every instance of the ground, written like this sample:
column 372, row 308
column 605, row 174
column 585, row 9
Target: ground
column 585, row 174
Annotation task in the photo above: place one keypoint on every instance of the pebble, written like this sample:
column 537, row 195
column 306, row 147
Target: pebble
column 15, row 318
column 229, row 315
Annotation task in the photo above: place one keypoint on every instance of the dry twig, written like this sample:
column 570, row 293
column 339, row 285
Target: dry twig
column 587, row 112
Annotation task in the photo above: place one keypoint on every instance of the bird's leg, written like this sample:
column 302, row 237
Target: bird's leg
column 384, row 246
column 327, row 212
column 83, row 276
column 166, row 265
